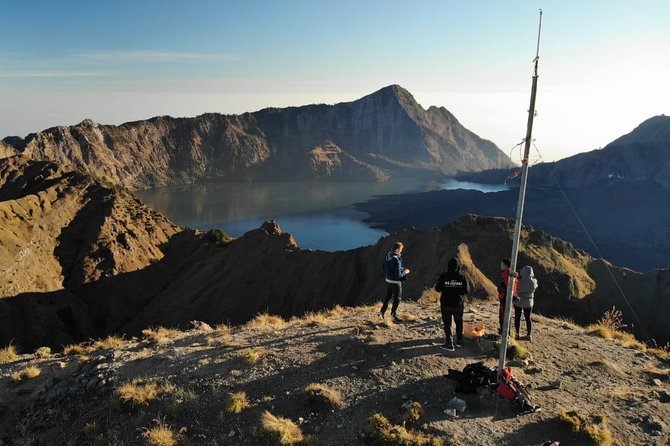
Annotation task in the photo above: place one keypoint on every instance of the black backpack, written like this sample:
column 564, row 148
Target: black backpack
column 473, row 375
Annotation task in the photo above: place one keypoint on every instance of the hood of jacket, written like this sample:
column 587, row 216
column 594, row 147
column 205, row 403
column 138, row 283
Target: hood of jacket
column 526, row 271
column 453, row 265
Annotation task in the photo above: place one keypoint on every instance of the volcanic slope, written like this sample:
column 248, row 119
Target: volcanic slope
column 82, row 260
column 382, row 134
column 213, row 386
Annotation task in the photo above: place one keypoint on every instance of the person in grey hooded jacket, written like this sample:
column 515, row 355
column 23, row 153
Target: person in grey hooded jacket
column 525, row 300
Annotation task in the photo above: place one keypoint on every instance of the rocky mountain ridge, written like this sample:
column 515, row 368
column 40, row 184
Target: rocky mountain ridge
column 83, row 260
column 384, row 133
column 643, row 155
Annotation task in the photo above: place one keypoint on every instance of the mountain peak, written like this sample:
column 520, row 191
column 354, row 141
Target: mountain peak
column 653, row 130
column 395, row 91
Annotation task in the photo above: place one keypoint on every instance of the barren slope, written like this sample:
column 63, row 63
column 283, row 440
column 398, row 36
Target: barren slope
column 376, row 367
column 82, row 260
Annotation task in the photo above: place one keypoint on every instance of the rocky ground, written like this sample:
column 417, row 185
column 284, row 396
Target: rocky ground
column 376, row 366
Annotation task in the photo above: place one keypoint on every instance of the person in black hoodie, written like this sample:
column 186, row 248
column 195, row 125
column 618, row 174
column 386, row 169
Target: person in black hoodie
column 454, row 288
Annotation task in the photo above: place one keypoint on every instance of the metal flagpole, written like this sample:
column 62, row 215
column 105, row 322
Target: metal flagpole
column 519, row 211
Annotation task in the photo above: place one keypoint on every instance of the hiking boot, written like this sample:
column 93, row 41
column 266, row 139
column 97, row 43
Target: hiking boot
column 530, row 337
column 448, row 347
column 459, row 343
column 396, row 318
column 381, row 315
column 517, row 336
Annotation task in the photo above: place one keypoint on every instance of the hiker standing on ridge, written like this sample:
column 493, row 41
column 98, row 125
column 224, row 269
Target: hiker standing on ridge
column 526, row 293
column 502, row 290
column 395, row 275
column 454, row 288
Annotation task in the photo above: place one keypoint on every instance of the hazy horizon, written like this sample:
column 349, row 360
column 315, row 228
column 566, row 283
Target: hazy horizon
column 602, row 70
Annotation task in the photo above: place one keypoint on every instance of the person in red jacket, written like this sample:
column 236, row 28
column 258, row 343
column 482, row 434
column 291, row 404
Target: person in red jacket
column 502, row 289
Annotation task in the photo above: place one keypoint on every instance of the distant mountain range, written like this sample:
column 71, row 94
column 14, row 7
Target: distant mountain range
column 617, row 197
column 80, row 259
column 641, row 155
column 380, row 135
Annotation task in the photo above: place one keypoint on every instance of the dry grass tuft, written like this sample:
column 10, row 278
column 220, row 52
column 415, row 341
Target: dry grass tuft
column 384, row 432
column 607, row 332
column 108, row 343
column 657, row 372
column 8, row 354
column 594, row 428
column 365, row 309
column 336, row 311
column 101, row 344
column 516, row 350
column 223, row 340
column 29, row 372
column 161, row 435
column 611, row 325
column 324, row 396
column 236, row 403
column 140, row 392
column 281, row 431
column 221, row 336
column 252, row 356
column 266, row 321
column 662, row 353
column 413, row 414
column 223, row 329
column 312, row 319
column 75, row 349
column 159, row 335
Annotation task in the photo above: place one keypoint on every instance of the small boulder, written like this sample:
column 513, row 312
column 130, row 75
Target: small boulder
column 458, row 404
column 201, row 326
column 555, row 385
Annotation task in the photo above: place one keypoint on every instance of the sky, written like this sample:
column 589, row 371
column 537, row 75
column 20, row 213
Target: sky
column 604, row 66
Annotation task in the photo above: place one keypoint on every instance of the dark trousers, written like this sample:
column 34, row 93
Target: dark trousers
column 457, row 314
column 393, row 291
column 526, row 315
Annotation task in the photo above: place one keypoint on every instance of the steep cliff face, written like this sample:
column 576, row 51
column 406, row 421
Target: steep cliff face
column 80, row 260
column 6, row 150
column 381, row 134
column 388, row 128
column 158, row 151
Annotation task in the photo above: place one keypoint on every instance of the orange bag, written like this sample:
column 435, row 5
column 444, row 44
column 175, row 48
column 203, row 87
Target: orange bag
column 474, row 331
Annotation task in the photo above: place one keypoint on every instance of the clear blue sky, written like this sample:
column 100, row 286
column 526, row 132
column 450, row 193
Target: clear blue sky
column 604, row 65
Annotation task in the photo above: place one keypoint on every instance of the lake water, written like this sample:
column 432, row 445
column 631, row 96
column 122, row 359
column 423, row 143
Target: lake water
column 318, row 215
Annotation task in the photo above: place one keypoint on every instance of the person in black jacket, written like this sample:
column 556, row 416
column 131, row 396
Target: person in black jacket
column 454, row 288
